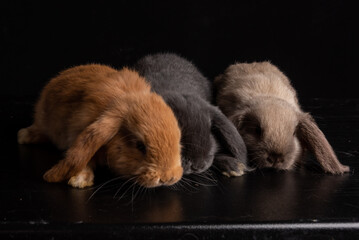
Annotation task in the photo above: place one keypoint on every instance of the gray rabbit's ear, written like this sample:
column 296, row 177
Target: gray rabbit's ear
column 235, row 151
column 176, row 102
column 313, row 138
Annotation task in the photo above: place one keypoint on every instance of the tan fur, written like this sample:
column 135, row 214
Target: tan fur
column 89, row 107
column 259, row 99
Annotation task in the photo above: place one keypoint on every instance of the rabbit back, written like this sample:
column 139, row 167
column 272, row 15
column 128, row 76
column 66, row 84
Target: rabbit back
column 171, row 73
column 244, row 82
column 77, row 96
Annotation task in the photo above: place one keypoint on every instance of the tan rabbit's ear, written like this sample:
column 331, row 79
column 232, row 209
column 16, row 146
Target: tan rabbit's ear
column 240, row 117
column 313, row 138
column 85, row 146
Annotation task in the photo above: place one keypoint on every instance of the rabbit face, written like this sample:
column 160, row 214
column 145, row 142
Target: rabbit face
column 269, row 131
column 194, row 157
column 207, row 137
column 198, row 143
column 198, row 152
column 260, row 100
column 147, row 146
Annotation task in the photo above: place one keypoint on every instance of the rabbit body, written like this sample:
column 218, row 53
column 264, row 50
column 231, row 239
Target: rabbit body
column 95, row 110
column 207, row 135
column 259, row 99
column 172, row 73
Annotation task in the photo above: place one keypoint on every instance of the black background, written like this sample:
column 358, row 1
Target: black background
column 313, row 42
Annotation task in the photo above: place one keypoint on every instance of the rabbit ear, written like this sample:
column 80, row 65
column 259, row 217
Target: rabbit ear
column 313, row 138
column 229, row 138
column 87, row 143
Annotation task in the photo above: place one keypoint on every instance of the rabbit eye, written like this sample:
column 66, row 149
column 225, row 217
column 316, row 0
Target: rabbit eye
column 258, row 130
column 141, row 147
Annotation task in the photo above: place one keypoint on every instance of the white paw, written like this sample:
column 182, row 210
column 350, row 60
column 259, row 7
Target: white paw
column 82, row 180
column 23, row 136
column 239, row 172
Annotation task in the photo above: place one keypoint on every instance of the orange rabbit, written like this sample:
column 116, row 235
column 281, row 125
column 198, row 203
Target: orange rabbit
column 95, row 107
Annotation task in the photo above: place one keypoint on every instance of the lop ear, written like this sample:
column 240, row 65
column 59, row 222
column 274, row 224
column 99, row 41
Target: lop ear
column 313, row 138
column 87, row 143
column 231, row 142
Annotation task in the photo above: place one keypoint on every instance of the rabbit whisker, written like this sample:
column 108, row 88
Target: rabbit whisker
column 102, row 185
column 206, row 177
column 199, row 183
column 124, row 193
column 187, row 186
column 122, row 185
column 142, row 191
column 138, row 190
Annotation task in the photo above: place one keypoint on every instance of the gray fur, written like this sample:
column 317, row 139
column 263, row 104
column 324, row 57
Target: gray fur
column 207, row 135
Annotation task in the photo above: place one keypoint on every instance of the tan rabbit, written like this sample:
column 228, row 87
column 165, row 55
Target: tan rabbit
column 259, row 99
column 94, row 107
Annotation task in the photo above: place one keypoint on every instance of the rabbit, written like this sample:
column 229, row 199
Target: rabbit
column 207, row 135
column 259, row 99
column 105, row 116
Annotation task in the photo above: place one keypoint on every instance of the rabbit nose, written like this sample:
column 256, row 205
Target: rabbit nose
column 274, row 158
column 197, row 168
column 200, row 166
column 164, row 181
column 187, row 166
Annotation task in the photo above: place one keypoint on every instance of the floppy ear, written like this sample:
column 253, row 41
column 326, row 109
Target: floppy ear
column 234, row 157
column 313, row 138
column 87, row 143
column 239, row 117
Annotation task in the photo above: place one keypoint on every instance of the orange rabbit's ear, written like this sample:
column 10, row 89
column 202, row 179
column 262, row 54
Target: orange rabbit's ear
column 313, row 138
column 85, row 146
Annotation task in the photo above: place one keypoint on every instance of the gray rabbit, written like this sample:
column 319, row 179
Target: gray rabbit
column 207, row 135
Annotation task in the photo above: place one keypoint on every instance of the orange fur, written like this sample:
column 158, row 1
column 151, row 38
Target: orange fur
column 90, row 106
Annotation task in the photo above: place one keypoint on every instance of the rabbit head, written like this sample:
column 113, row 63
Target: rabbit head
column 207, row 136
column 259, row 99
column 269, row 127
column 198, row 143
column 147, row 145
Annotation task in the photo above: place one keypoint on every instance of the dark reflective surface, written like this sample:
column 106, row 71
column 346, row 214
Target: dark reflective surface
column 302, row 196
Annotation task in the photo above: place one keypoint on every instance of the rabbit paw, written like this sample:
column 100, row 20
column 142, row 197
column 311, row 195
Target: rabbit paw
column 30, row 135
column 55, row 174
column 345, row 169
column 237, row 172
column 229, row 166
column 82, row 179
column 340, row 169
column 23, row 136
